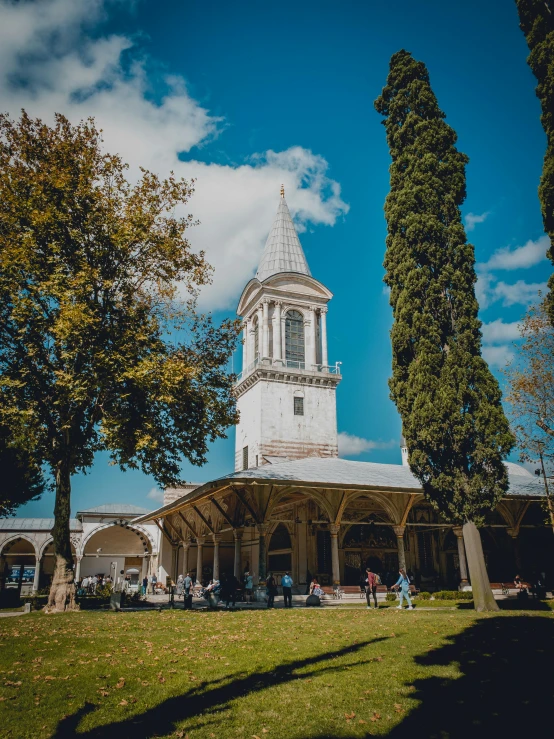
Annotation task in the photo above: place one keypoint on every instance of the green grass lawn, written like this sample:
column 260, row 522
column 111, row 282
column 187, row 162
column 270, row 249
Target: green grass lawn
column 296, row 674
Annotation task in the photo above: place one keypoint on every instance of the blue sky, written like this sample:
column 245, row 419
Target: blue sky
column 246, row 95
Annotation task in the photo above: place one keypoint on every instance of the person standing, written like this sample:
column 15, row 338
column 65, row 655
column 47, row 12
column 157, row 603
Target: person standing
column 403, row 585
column 144, row 585
column 248, row 586
column 271, row 589
column 180, row 586
column 154, row 582
column 286, row 582
column 232, row 585
column 370, row 587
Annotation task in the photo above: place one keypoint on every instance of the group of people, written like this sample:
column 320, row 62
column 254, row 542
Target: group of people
column 402, row 586
column 227, row 588
column 90, row 584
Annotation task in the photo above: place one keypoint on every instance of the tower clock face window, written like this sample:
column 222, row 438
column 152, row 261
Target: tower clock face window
column 294, row 338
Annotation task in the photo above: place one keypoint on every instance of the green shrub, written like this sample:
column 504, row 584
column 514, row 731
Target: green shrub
column 453, row 595
column 424, row 595
column 104, row 592
column 390, row 597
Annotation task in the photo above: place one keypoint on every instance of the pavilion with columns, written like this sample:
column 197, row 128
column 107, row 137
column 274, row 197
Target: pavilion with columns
column 291, row 504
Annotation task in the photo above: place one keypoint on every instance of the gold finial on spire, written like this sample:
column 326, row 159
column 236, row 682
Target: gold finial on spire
column 282, row 191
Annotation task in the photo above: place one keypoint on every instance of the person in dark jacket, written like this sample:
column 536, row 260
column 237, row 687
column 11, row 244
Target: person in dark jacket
column 231, row 590
column 271, row 586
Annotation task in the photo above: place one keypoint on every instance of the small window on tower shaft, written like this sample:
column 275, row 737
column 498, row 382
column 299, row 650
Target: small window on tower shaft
column 299, row 406
column 245, row 458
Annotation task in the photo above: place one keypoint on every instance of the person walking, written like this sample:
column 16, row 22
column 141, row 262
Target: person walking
column 370, row 587
column 144, row 585
column 271, row 590
column 403, row 585
column 154, row 582
column 180, row 586
column 286, row 582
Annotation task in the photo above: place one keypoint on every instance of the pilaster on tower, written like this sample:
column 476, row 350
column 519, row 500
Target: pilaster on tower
column 286, row 392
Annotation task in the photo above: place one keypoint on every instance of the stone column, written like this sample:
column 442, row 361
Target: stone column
column 37, row 575
column 262, row 531
column 199, row 562
column 310, row 334
column 217, row 538
column 459, row 533
column 334, row 530
column 251, row 342
column 277, row 348
column 324, row 356
column 237, row 533
column 260, row 310
column 186, row 547
column 399, row 533
column 265, row 328
column 78, row 568
column 513, row 534
column 244, row 345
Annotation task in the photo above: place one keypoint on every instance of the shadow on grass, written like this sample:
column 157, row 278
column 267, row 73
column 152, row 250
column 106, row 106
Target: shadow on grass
column 208, row 697
column 505, row 688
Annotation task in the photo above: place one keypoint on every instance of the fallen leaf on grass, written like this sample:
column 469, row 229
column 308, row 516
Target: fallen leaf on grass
column 120, row 683
column 123, row 702
column 350, row 715
column 376, row 716
column 361, row 721
column 104, row 692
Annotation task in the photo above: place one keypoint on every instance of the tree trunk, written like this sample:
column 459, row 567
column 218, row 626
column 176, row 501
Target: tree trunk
column 483, row 598
column 62, row 590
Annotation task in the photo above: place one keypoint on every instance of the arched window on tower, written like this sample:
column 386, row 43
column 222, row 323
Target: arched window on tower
column 294, row 339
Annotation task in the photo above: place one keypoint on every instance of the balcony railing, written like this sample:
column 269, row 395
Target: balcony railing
column 267, row 363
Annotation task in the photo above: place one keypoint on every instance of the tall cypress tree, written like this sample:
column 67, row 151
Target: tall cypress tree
column 536, row 20
column 450, row 403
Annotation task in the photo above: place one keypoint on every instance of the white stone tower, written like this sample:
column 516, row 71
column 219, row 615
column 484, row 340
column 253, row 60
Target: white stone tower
column 286, row 392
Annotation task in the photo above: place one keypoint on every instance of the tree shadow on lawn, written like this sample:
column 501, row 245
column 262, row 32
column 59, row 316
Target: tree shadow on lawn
column 208, row 697
column 505, row 689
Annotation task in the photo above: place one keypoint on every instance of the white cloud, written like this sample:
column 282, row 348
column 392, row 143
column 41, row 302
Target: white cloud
column 520, row 293
column 155, row 494
column 50, row 62
column 489, row 291
column 472, row 218
column 521, row 257
column 353, row 446
column 498, row 356
column 498, row 332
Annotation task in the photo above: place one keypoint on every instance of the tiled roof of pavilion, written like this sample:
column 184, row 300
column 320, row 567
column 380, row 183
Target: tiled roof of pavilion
column 344, row 473
column 34, row 524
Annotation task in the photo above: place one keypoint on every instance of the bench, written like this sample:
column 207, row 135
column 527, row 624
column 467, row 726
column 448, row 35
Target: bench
column 333, row 592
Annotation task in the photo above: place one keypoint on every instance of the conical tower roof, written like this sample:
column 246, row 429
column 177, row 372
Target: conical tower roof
column 283, row 251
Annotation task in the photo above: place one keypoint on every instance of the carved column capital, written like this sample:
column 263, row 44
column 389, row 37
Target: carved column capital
column 200, row 541
column 217, row 538
column 323, row 309
column 458, row 532
column 334, row 529
column 263, row 529
column 399, row 531
column 513, row 532
column 238, row 533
